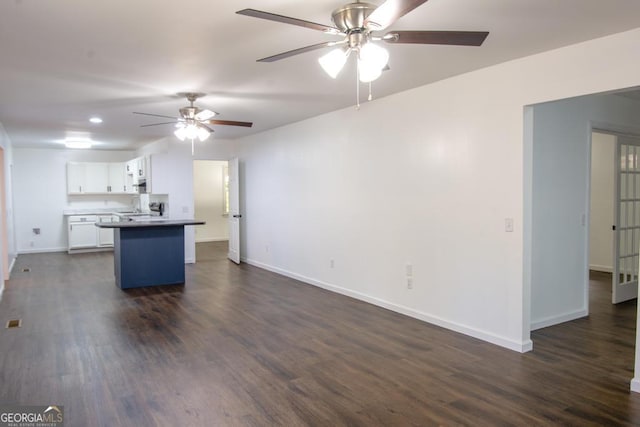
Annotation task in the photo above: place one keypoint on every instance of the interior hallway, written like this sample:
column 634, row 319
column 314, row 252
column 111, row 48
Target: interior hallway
column 238, row 345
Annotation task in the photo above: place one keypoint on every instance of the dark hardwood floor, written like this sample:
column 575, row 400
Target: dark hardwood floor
column 242, row 346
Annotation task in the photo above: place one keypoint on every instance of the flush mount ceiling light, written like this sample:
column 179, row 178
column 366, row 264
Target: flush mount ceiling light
column 95, row 119
column 78, row 143
column 356, row 23
column 193, row 121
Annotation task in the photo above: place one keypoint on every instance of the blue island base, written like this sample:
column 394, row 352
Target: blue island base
column 149, row 256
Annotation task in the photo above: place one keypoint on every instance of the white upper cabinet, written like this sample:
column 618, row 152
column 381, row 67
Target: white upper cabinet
column 97, row 178
column 117, row 178
column 75, row 178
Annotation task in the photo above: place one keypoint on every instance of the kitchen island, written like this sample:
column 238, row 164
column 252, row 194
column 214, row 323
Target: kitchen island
column 148, row 252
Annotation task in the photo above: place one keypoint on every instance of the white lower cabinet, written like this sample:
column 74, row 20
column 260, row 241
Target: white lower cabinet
column 105, row 235
column 82, row 232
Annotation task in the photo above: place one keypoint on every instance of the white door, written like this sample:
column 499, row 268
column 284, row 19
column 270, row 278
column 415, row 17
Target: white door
column 234, row 212
column 627, row 214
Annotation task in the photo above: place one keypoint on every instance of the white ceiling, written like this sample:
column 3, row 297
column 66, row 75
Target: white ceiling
column 62, row 61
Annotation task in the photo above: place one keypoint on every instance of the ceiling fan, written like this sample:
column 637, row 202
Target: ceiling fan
column 193, row 121
column 357, row 23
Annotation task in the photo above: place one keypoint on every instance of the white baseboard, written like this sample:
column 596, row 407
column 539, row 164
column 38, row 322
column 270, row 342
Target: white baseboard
column 603, row 268
column 490, row 337
column 41, row 250
column 561, row 318
column 635, row 385
column 214, row 239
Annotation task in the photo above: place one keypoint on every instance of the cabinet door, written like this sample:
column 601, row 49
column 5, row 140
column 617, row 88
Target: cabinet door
column 75, row 178
column 82, row 235
column 117, row 178
column 105, row 235
column 97, row 177
column 142, row 167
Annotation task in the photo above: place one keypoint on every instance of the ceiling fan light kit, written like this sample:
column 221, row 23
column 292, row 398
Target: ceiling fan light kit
column 356, row 22
column 193, row 121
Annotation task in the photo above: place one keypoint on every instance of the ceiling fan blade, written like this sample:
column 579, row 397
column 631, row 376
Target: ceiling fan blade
column 155, row 115
column 288, row 20
column 157, row 124
column 230, row 123
column 205, row 115
column 295, row 52
column 389, row 12
column 456, row 38
column 207, row 127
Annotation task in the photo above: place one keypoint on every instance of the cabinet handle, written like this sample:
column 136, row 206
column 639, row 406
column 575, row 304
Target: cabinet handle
column 125, row 188
column 70, row 227
column 80, row 189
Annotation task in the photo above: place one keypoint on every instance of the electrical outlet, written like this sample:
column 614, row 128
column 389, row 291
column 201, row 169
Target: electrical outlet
column 409, row 269
column 409, row 282
column 31, row 244
column 36, row 231
column 185, row 209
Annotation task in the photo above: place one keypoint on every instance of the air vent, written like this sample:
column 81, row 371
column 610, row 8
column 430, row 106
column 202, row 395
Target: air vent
column 15, row 323
column 26, row 270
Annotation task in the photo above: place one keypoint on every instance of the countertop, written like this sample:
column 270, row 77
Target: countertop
column 95, row 211
column 151, row 223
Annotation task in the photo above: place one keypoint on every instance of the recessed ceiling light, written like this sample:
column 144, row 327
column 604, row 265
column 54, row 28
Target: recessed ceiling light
column 95, row 120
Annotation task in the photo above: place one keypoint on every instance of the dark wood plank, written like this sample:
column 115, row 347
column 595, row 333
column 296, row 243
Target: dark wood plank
column 237, row 345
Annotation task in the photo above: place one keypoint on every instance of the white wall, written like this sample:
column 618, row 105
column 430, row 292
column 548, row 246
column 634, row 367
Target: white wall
column 208, row 185
column 40, row 194
column 603, row 147
column 5, row 143
column 561, row 157
column 425, row 177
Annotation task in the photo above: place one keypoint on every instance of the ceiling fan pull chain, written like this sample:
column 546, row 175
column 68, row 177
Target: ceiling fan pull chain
column 357, row 85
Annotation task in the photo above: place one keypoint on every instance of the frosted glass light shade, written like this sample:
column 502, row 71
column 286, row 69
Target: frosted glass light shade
column 374, row 56
column 191, row 131
column 333, row 62
column 368, row 73
column 202, row 133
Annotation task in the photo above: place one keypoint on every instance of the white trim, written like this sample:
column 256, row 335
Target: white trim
column 602, row 268
column 635, row 385
column 189, row 260
column 13, row 262
column 554, row 320
column 41, row 251
column 1, row 288
column 215, row 239
column 521, row 347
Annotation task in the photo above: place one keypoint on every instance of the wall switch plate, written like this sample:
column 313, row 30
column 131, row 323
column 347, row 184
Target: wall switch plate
column 409, row 282
column 508, row 225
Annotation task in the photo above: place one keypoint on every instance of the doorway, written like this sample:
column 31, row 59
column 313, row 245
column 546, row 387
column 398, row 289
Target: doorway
column 614, row 229
column 211, row 200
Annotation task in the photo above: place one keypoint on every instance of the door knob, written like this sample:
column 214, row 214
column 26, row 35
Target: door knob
column 237, row 216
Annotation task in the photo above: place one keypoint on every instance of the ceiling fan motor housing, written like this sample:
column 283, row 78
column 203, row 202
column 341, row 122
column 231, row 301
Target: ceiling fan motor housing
column 351, row 17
